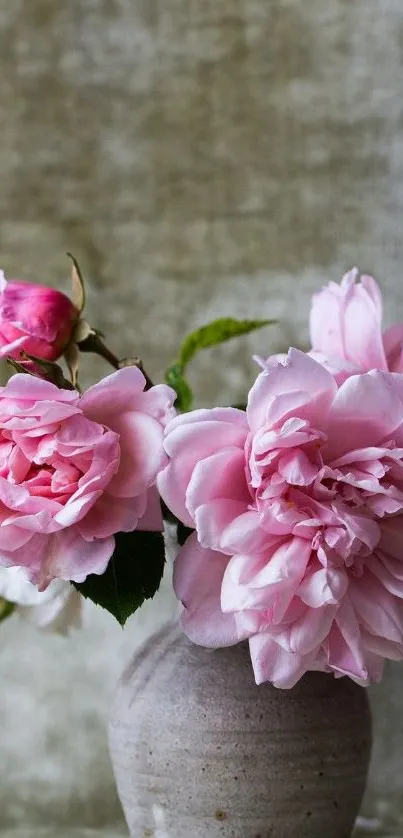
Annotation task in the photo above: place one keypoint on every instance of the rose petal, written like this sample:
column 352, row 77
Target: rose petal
column 141, row 454
column 190, row 439
column 197, row 575
column 218, row 477
column 300, row 387
column 272, row 663
column 366, row 410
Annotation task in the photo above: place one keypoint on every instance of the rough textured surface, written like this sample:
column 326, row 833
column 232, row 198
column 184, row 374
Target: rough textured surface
column 199, row 750
column 198, row 157
column 67, row 833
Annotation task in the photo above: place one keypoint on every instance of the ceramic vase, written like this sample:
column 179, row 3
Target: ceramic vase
column 200, row 751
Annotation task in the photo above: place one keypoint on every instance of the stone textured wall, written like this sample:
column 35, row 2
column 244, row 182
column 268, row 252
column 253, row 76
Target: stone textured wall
column 199, row 157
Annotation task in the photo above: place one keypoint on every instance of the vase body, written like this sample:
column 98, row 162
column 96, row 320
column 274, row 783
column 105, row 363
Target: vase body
column 199, row 751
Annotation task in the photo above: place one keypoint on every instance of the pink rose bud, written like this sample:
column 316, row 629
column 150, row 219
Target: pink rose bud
column 34, row 319
column 346, row 329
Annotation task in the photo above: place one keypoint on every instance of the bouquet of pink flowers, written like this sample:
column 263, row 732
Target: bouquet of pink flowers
column 289, row 511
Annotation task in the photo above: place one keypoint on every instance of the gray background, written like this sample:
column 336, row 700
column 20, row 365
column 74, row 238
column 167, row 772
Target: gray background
column 199, row 157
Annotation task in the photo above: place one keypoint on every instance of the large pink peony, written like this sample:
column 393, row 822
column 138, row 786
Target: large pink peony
column 75, row 469
column 346, row 328
column 297, row 506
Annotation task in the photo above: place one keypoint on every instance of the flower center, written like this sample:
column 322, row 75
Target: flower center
column 335, row 503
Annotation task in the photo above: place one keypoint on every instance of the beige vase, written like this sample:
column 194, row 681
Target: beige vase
column 199, row 751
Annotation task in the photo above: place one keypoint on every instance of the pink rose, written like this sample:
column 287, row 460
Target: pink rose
column 34, row 319
column 346, row 329
column 75, row 469
column 297, row 507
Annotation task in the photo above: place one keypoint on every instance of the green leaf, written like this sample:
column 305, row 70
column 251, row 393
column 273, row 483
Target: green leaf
column 52, row 372
column 217, row 332
column 175, row 378
column 6, row 608
column 183, row 533
column 17, row 367
column 207, row 336
column 167, row 514
column 133, row 574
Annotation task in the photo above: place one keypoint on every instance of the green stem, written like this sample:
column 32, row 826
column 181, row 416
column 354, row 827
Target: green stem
column 93, row 343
